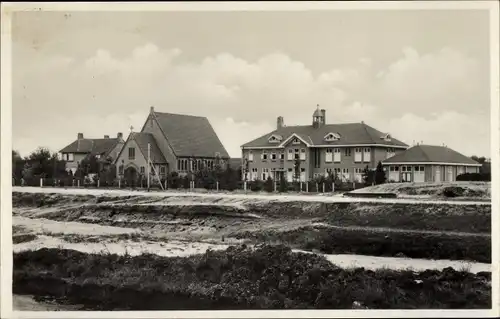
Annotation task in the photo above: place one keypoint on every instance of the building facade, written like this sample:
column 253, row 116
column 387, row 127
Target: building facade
column 428, row 163
column 320, row 149
column 180, row 143
column 105, row 149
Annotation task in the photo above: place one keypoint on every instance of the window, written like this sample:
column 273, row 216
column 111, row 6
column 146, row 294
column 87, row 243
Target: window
column 296, row 153
column 329, row 155
column 98, row 156
column 296, row 141
column 357, row 155
column 390, row 152
column 250, row 156
column 290, row 154
column 254, row 174
column 274, row 139
column 366, row 154
column 336, row 155
column 332, row 137
column 162, row 170
column 131, row 153
column 273, row 156
column 70, row 157
column 265, row 173
column 264, row 156
column 303, row 154
column 143, row 170
column 282, row 156
column 347, row 151
column 302, row 170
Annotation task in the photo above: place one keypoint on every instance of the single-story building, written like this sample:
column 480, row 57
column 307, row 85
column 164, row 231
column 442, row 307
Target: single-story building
column 428, row 163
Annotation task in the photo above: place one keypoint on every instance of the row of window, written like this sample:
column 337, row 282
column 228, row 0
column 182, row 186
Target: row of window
column 342, row 173
column 332, row 155
column 185, row 165
column 142, row 170
column 406, row 168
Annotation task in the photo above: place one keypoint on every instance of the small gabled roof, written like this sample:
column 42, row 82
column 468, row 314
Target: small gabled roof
column 430, row 154
column 95, row 146
column 190, row 135
column 351, row 134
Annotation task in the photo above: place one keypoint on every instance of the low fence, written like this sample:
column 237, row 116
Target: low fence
column 249, row 186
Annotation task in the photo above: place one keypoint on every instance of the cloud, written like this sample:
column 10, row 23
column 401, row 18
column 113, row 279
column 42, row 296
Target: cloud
column 427, row 96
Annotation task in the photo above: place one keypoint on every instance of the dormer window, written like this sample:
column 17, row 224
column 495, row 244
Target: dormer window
column 275, row 139
column 330, row 137
column 386, row 137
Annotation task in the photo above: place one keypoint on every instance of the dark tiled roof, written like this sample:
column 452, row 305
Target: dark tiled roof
column 190, row 135
column 142, row 140
column 350, row 133
column 234, row 162
column 430, row 154
column 95, row 146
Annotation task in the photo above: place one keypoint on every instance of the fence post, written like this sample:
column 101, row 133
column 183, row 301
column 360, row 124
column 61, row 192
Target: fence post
column 166, row 184
column 55, row 182
column 119, row 183
column 217, row 185
column 245, row 186
column 317, row 188
column 333, row 187
column 300, row 185
column 73, row 182
column 78, row 182
column 274, row 185
column 98, row 183
column 41, row 182
column 353, row 185
column 307, row 187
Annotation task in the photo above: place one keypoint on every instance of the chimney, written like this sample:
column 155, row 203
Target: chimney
column 106, row 136
column 152, row 109
column 79, row 136
column 323, row 116
column 119, row 135
column 279, row 122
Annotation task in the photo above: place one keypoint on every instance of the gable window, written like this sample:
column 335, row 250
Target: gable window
column 386, row 137
column 296, row 141
column 250, row 156
column 131, row 153
column 357, row 155
column 274, row 139
column 347, row 151
column 366, row 154
column 329, row 155
column 303, row 154
column 336, row 155
column 330, row 137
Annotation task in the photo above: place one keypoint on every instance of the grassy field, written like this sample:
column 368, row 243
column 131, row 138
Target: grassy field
column 68, row 263
column 269, row 277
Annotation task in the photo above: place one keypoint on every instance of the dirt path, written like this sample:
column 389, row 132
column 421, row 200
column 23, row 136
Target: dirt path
column 28, row 303
column 281, row 198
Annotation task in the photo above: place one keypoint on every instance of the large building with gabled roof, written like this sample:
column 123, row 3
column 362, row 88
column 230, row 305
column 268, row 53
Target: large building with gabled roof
column 177, row 142
column 320, row 148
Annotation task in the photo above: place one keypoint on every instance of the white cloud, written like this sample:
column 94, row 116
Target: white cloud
column 63, row 96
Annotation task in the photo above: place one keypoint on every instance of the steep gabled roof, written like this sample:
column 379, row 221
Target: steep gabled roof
column 142, row 140
column 351, row 134
column 91, row 145
column 190, row 135
column 430, row 154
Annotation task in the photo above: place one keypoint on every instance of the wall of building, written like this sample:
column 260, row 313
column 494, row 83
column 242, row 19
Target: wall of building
column 346, row 161
column 138, row 162
column 151, row 126
column 73, row 165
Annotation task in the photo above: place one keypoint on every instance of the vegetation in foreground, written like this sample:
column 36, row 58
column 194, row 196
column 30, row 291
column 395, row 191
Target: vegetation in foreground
column 267, row 277
column 371, row 242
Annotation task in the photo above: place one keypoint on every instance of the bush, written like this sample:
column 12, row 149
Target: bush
column 256, row 186
column 453, row 191
column 239, row 278
column 269, row 185
column 474, row 177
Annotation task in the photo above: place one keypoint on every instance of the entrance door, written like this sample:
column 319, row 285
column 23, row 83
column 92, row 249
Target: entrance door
column 131, row 176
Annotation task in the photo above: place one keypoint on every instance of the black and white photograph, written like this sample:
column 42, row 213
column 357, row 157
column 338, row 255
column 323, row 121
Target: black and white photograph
column 220, row 159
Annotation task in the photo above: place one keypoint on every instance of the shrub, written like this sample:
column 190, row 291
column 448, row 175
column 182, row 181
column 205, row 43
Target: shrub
column 474, row 177
column 269, row 185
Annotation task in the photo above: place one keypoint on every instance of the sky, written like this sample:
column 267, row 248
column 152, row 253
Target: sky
column 420, row 75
